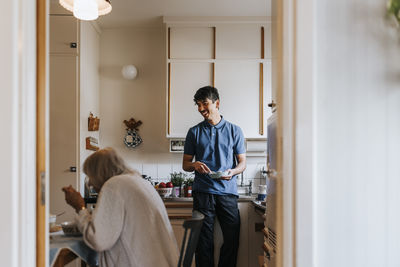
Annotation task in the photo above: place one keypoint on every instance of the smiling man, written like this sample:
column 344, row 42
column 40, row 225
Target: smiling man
column 218, row 149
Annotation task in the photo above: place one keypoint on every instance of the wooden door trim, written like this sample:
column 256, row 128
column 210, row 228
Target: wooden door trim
column 41, row 105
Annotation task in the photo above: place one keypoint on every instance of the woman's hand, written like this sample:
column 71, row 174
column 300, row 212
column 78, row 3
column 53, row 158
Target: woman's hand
column 73, row 198
column 200, row 167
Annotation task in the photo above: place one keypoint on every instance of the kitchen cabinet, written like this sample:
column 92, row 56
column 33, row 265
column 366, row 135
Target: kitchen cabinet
column 63, row 115
column 183, row 112
column 73, row 53
column 250, row 244
column 232, row 56
column 63, row 35
column 256, row 226
column 177, row 212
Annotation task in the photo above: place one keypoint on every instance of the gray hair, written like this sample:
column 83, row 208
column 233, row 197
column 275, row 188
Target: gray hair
column 104, row 164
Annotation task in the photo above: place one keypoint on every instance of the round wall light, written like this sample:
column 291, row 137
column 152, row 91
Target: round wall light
column 129, row 72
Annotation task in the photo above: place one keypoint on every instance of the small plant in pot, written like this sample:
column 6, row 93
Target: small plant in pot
column 188, row 187
column 177, row 179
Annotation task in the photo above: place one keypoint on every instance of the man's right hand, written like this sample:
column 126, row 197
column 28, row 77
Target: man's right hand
column 200, row 167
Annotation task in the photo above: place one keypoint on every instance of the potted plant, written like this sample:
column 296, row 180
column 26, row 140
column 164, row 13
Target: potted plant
column 188, row 187
column 177, row 179
column 393, row 9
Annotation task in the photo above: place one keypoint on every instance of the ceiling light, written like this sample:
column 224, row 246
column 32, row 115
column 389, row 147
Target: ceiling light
column 103, row 7
column 86, row 9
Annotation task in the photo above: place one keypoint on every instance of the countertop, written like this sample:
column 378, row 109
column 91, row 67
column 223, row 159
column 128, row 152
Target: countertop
column 242, row 198
column 258, row 204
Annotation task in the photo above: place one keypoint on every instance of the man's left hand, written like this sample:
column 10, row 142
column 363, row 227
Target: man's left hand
column 229, row 176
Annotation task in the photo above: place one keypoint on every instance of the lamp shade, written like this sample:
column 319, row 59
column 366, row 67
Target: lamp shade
column 103, row 6
column 86, row 9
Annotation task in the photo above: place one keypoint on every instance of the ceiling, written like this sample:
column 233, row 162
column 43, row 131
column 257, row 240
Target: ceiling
column 149, row 13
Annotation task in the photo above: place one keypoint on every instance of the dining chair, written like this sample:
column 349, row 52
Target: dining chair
column 190, row 238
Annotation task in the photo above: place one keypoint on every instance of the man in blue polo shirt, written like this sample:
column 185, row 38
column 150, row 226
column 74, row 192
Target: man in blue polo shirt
column 217, row 146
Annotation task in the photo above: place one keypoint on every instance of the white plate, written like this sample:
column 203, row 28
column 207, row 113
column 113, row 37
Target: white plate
column 218, row 174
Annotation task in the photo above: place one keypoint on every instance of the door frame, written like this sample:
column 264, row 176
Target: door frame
column 42, row 134
column 18, row 121
column 296, row 32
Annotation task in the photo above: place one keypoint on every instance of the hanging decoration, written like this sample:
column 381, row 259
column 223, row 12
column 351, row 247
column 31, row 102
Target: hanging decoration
column 93, row 123
column 132, row 138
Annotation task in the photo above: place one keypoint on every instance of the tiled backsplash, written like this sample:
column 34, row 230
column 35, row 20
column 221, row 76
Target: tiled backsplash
column 161, row 172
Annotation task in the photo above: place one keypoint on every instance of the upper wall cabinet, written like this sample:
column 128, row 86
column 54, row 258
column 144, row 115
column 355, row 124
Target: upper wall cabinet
column 232, row 56
column 191, row 43
column 64, row 35
column 238, row 41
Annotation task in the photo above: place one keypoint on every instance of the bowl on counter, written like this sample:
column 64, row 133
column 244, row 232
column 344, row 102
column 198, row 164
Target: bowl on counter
column 164, row 192
column 70, row 229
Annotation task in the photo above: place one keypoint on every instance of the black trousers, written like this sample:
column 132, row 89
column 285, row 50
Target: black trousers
column 225, row 207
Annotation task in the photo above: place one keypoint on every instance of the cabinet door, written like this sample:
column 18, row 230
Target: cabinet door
column 238, row 41
column 267, row 94
column 186, row 78
column 63, row 33
column 243, row 253
column 179, row 231
column 239, row 87
column 256, row 239
column 63, row 127
column 191, row 43
column 63, row 131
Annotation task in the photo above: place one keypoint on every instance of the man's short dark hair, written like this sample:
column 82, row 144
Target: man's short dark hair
column 206, row 92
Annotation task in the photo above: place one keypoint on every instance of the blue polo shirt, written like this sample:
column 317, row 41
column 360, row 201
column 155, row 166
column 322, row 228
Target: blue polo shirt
column 216, row 146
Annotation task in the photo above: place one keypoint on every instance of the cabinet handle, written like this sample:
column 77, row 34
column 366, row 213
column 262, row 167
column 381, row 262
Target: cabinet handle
column 73, row 45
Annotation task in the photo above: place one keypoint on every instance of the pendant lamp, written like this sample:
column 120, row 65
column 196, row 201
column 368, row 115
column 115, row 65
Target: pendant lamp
column 87, row 9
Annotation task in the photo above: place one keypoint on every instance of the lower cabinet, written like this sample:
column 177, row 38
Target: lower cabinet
column 177, row 213
column 249, row 244
column 243, row 253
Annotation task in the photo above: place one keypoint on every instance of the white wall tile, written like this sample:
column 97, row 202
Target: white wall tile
column 261, row 166
column 150, row 170
column 163, row 171
column 252, row 171
column 136, row 166
column 177, row 168
column 256, row 182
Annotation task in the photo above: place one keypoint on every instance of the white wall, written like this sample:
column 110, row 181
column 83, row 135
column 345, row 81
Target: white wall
column 357, row 135
column 143, row 99
column 8, row 114
column 89, row 58
column 17, row 135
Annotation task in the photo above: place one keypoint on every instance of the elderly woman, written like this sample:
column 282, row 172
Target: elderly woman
column 130, row 225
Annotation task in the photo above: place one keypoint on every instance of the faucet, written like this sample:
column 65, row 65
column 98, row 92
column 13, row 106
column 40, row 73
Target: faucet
column 250, row 191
